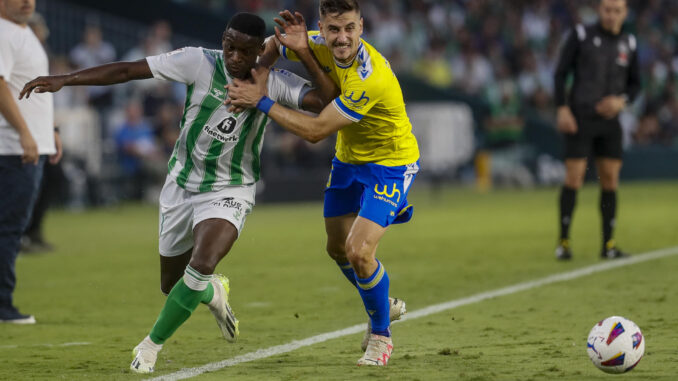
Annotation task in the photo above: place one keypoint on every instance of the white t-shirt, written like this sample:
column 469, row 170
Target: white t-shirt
column 216, row 148
column 22, row 58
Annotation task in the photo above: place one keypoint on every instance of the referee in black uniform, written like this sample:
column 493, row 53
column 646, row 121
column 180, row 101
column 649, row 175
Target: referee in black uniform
column 604, row 62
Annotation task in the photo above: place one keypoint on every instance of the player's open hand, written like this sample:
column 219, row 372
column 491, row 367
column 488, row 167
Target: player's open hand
column 258, row 71
column 247, row 93
column 566, row 122
column 610, row 106
column 50, row 84
column 294, row 35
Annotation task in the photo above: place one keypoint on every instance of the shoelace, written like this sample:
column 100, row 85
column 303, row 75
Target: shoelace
column 376, row 347
column 147, row 354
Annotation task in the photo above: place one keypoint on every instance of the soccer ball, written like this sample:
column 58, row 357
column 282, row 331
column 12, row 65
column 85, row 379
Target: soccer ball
column 615, row 345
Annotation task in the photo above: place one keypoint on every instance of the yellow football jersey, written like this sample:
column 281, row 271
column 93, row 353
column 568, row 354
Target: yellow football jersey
column 370, row 97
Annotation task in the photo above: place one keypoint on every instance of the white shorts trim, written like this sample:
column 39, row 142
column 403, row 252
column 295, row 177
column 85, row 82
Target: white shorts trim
column 182, row 210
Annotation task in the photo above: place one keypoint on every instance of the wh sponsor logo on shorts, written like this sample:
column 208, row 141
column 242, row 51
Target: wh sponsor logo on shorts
column 386, row 196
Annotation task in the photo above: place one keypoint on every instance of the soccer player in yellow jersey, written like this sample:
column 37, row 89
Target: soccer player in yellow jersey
column 376, row 152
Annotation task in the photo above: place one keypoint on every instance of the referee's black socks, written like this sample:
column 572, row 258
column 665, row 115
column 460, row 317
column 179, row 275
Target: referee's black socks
column 608, row 210
column 568, row 198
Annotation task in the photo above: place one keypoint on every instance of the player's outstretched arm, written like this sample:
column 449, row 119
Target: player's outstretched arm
column 310, row 128
column 295, row 38
column 109, row 74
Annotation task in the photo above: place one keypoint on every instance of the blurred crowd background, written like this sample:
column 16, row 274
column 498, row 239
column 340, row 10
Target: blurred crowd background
column 496, row 57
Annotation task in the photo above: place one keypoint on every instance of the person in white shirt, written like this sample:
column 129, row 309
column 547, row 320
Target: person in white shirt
column 27, row 136
column 213, row 170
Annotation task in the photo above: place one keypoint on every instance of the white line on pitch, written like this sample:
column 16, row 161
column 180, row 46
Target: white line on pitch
column 45, row 345
column 296, row 344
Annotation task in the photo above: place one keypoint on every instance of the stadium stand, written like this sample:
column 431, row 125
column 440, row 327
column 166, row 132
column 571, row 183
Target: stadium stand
column 495, row 57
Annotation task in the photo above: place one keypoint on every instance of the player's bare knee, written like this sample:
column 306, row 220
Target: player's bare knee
column 204, row 264
column 359, row 255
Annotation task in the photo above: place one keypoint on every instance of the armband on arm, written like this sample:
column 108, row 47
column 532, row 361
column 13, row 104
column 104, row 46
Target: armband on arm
column 265, row 104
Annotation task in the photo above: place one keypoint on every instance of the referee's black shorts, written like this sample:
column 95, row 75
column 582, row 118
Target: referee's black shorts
column 597, row 136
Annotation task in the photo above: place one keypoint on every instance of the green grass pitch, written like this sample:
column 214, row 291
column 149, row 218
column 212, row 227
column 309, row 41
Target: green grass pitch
column 98, row 295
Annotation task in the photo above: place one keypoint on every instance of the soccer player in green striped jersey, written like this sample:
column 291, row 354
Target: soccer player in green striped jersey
column 213, row 169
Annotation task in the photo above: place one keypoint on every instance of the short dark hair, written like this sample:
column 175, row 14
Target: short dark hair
column 248, row 23
column 338, row 6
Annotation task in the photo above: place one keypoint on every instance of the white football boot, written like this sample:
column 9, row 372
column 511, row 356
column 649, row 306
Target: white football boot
column 221, row 310
column 145, row 354
column 396, row 311
column 378, row 352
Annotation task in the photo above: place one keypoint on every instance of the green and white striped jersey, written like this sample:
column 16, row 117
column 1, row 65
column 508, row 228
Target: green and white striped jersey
column 217, row 148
